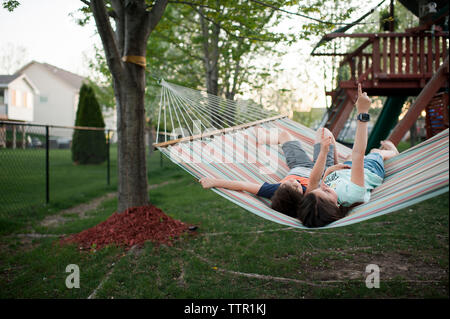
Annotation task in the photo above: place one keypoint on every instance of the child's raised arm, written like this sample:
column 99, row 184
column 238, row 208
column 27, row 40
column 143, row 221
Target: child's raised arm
column 319, row 166
column 359, row 147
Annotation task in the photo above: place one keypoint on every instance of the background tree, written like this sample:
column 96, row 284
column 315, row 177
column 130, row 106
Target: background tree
column 12, row 58
column 223, row 40
column 88, row 146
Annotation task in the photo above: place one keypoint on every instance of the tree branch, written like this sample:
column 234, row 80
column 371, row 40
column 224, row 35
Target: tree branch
column 193, row 4
column 185, row 51
column 226, row 30
column 106, row 32
column 155, row 14
column 112, row 14
column 120, row 24
column 305, row 16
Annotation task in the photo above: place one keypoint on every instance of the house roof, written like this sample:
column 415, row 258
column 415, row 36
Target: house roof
column 72, row 79
column 6, row 79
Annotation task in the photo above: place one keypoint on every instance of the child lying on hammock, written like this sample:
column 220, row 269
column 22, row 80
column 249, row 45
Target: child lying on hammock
column 344, row 187
column 288, row 193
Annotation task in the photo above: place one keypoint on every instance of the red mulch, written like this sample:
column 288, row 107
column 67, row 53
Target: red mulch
column 132, row 227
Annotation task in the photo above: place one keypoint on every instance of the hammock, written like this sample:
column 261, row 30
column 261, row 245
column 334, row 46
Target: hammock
column 228, row 150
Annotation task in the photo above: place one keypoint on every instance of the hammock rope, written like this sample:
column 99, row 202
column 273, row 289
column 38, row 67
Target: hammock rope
column 228, row 150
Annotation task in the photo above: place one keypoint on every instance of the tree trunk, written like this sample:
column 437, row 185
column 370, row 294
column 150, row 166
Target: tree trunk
column 132, row 167
column 133, row 25
column 211, row 64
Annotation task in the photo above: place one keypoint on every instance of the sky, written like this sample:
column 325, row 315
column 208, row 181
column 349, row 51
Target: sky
column 48, row 34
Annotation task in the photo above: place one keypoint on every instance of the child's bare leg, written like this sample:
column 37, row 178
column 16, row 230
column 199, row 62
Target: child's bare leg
column 273, row 136
column 388, row 145
column 387, row 150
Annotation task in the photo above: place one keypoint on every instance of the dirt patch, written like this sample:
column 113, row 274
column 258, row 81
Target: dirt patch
column 132, row 227
column 392, row 265
column 79, row 211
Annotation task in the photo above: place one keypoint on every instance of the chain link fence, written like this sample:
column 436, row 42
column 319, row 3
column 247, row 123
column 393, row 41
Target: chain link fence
column 37, row 167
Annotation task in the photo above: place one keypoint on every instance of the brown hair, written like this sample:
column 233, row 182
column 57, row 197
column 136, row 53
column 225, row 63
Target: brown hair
column 286, row 200
column 317, row 212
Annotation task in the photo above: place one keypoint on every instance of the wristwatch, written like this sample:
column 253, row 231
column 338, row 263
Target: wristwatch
column 363, row 117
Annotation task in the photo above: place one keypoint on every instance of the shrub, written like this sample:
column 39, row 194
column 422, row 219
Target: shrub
column 88, row 146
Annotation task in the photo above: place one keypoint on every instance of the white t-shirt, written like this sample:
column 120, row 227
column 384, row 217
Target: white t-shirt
column 348, row 192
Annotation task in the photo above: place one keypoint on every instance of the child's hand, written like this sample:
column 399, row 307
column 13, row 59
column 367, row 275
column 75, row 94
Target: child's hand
column 363, row 101
column 337, row 167
column 325, row 141
column 340, row 166
column 207, row 182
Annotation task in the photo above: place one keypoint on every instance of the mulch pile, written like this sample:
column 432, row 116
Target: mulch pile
column 132, row 227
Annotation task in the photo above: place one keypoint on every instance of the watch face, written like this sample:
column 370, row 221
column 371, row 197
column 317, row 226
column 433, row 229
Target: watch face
column 364, row 117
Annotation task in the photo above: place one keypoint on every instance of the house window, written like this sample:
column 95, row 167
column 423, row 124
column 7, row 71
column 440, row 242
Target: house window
column 24, row 99
column 18, row 98
column 43, row 99
column 2, row 96
column 13, row 97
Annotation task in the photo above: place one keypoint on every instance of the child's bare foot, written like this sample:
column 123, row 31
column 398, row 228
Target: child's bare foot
column 260, row 134
column 388, row 145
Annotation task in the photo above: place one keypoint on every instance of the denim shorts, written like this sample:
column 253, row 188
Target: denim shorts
column 297, row 157
column 374, row 163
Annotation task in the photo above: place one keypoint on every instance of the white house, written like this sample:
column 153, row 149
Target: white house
column 17, row 94
column 57, row 101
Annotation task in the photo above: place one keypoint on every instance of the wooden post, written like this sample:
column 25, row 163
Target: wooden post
column 414, row 57
column 344, row 112
column 400, row 55
column 392, row 54
column 385, row 44
column 408, row 61
column 437, row 53
column 436, row 82
column 429, row 55
column 391, row 13
column 413, row 134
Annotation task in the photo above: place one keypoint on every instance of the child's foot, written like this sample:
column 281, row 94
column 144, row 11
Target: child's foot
column 260, row 134
column 388, row 145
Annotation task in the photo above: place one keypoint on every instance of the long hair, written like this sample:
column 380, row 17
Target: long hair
column 286, row 200
column 317, row 212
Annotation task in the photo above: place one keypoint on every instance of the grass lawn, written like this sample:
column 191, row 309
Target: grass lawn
column 23, row 184
column 233, row 254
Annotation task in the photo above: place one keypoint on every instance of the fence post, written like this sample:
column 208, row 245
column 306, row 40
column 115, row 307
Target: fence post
column 107, row 158
column 47, row 166
column 14, row 142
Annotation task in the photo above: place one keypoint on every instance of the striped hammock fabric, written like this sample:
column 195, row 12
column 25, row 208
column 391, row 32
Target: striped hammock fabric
column 232, row 153
column 415, row 175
